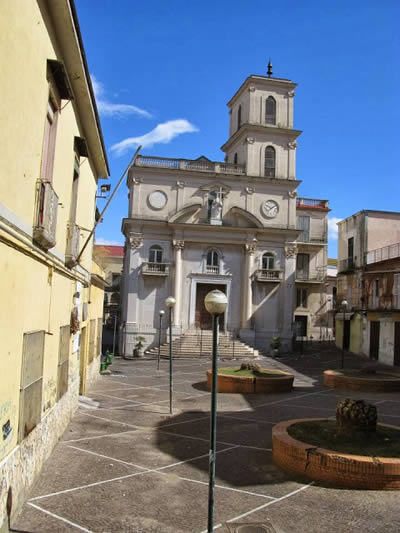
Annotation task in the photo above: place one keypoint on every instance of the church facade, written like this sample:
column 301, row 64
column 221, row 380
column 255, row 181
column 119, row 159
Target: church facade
column 237, row 225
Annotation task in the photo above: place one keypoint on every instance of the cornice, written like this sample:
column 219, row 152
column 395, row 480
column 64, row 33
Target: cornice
column 277, row 82
column 249, row 128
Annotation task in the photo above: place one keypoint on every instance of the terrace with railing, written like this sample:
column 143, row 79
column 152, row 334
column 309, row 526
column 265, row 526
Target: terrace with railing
column 382, row 254
column 312, row 203
column 196, row 165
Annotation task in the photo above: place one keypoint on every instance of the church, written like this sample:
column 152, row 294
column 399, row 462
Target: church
column 238, row 226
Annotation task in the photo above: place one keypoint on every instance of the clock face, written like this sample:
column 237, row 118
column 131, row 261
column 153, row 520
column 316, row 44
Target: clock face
column 270, row 208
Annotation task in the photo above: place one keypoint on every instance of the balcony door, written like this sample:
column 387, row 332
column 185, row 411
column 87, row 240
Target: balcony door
column 302, row 266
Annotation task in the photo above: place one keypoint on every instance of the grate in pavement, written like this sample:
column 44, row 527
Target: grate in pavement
column 251, row 528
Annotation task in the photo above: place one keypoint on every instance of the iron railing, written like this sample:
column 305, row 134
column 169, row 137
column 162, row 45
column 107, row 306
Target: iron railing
column 382, row 254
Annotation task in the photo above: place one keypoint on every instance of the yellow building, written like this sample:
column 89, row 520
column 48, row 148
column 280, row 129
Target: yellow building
column 52, row 157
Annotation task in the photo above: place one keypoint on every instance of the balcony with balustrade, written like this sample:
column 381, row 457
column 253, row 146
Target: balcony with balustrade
column 347, row 265
column 195, row 165
column 269, row 275
column 155, row 269
column 311, row 276
column 312, row 203
column 382, row 254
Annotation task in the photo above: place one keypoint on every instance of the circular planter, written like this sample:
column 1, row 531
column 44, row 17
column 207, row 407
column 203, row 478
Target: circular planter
column 379, row 382
column 251, row 384
column 331, row 467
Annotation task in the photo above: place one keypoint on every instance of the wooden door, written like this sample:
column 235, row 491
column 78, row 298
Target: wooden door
column 396, row 360
column 374, row 340
column 82, row 362
column 203, row 319
column 300, row 325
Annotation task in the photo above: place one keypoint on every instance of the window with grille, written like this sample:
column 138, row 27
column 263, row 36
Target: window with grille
column 30, row 404
column 63, row 361
column 269, row 162
column 155, row 254
column 268, row 261
column 270, row 110
column 301, row 298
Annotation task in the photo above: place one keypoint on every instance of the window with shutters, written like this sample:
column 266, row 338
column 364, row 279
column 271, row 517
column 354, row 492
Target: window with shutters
column 30, row 403
column 303, row 224
column 269, row 162
column 49, row 141
column 270, row 110
column 301, row 298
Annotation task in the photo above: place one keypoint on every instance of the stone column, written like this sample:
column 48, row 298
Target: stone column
column 178, row 247
column 247, row 303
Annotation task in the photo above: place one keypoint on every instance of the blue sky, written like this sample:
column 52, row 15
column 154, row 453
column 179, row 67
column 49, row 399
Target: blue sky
column 163, row 72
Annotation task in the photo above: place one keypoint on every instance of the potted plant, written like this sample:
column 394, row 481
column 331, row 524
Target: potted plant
column 138, row 351
column 275, row 345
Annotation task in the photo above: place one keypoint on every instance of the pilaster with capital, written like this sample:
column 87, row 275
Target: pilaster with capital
column 289, row 288
column 247, row 296
column 178, row 246
column 134, row 243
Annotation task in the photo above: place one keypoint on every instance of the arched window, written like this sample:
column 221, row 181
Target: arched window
column 269, row 162
column 270, row 110
column 212, row 262
column 155, row 254
column 239, row 117
column 268, row 261
column 235, row 159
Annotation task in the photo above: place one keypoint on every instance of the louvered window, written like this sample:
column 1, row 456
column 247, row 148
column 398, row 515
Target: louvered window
column 270, row 110
column 269, row 163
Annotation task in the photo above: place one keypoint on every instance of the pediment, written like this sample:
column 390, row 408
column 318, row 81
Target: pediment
column 186, row 213
column 216, row 185
column 244, row 218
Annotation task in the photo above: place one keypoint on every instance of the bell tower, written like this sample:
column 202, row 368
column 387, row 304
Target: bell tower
column 261, row 133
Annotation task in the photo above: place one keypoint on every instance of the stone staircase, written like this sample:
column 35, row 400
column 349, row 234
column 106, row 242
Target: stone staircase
column 195, row 344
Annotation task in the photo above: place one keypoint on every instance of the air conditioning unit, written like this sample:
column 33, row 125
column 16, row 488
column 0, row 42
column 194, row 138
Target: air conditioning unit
column 44, row 229
column 72, row 251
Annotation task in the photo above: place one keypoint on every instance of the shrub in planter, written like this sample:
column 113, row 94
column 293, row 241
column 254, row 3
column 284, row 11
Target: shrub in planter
column 275, row 345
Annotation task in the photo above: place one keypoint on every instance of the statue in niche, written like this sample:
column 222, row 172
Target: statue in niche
column 216, row 205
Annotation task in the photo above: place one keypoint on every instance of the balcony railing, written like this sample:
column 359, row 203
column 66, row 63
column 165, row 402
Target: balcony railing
column 311, row 275
column 382, row 254
column 155, row 269
column 197, row 165
column 347, row 265
column 305, row 236
column 269, row 275
column 312, row 203
column 212, row 269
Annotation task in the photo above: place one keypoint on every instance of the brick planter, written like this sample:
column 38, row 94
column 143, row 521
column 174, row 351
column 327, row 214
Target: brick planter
column 335, row 379
column 330, row 467
column 251, row 384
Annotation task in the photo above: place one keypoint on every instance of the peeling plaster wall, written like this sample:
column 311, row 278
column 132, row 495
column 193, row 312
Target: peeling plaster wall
column 21, row 467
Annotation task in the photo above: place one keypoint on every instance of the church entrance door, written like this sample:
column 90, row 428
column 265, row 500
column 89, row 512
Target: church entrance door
column 203, row 319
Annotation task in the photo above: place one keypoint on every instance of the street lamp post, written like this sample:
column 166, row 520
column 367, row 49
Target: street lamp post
column 344, row 306
column 170, row 303
column 215, row 303
column 159, row 339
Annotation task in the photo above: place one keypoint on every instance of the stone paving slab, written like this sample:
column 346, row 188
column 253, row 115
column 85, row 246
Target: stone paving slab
column 158, row 481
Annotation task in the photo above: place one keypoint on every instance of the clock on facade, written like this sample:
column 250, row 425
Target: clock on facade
column 270, row 208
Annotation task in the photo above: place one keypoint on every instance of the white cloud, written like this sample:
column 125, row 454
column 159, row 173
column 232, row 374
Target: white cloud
column 105, row 242
column 161, row 134
column 109, row 109
column 332, row 227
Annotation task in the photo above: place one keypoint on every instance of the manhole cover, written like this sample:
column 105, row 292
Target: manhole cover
column 251, row 528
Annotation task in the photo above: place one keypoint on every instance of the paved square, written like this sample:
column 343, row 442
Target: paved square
column 130, row 466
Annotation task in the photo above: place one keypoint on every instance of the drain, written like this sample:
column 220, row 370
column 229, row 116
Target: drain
column 252, row 528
